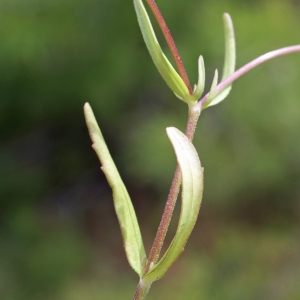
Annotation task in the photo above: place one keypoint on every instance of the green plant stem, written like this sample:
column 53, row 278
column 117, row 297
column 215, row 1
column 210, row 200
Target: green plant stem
column 193, row 116
column 170, row 41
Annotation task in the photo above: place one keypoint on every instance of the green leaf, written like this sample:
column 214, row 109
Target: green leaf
column 168, row 73
column 212, row 91
column 229, row 61
column 132, row 238
column 192, row 189
column 201, row 80
column 230, row 55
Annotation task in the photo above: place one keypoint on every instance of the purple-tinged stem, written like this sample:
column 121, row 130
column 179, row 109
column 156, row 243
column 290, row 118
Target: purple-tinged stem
column 169, row 39
column 194, row 113
column 142, row 290
column 254, row 63
column 193, row 116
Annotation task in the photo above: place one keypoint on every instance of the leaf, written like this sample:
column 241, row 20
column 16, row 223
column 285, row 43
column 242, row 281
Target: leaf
column 212, row 91
column 201, row 80
column 230, row 55
column 166, row 70
column 192, row 189
column 229, row 61
column 132, row 238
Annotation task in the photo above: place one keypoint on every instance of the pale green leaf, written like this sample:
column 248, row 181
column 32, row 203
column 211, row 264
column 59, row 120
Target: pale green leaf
column 168, row 73
column 230, row 55
column 229, row 61
column 220, row 96
column 201, row 80
column 212, row 91
column 132, row 238
column 192, row 189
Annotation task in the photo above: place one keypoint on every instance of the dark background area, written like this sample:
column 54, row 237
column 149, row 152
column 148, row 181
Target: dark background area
column 59, row 236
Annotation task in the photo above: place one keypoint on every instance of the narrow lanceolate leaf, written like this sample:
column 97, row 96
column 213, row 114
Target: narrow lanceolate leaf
column 199, row 88
column 212, row 91
column 132, row 238
column 168, row 73
column 230, row 55
column 229, row 61
column 192, row 189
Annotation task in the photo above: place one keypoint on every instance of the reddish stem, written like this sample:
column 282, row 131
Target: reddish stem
column 194, row 113
column 167, row 34
column 142, row 290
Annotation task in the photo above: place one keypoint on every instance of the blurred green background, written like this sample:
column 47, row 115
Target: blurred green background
column 59, row 236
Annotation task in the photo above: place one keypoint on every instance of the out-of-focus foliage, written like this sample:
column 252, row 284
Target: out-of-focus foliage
column 243, row 265
column 59, row 238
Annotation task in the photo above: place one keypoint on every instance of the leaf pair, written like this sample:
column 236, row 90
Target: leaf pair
column 192, row 188
column 169, row 74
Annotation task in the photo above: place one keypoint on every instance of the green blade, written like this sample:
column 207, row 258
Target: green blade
column 192, row 189
column 229, row 61
column 230, row 55
column 212, row 91
column 166, row 70
column 201, row 80
column 132, row 238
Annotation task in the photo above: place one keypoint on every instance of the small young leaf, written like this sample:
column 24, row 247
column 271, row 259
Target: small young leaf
column 166, row 70
column 230, row 55
column 229, row 61
column 192, row 189
column 220, row 96
column 201, row 80
column 132, row 238
column 212, row 91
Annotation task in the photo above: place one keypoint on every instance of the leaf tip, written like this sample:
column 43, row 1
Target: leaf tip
column 87, row 109
column 227, row 19
column 226, row 15
column 170, row 130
